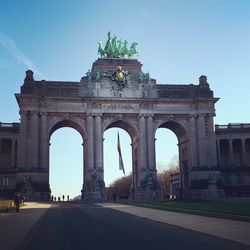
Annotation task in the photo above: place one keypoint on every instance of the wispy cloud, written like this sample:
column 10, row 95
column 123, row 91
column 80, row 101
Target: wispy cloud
column 10, row 45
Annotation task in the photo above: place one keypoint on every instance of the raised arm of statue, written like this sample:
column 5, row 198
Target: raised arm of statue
column 100, row 49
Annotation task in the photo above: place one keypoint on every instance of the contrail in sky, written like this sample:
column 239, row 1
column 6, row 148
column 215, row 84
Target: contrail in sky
column 10, row 45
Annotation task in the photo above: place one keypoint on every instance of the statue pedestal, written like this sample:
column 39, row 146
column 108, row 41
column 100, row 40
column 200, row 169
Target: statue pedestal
column 107, row 64
column 93, row 191
column 214, row 191
column 27, row 192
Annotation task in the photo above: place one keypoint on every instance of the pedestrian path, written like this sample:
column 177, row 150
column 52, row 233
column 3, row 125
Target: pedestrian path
column 227, row 229
column 14, row 226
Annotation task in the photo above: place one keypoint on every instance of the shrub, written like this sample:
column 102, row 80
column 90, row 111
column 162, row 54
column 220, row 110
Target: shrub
column 5, row 205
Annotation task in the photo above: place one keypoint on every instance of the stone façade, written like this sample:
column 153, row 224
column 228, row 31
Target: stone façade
column 97, row 102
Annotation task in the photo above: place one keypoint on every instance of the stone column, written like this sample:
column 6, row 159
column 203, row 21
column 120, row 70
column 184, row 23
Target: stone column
column 13, row 152
column 231, row 152
column 218, row 152
column 202, row 141
column 154, row 156
column 90, row 146
column 211, row 145
column 32, row 158
column 84, row 164
column 133, row 185
column 98, row 143
column 48, row 152
column 243, row 151
column 21, row 162
column 135, row 160
column 151, row 143
column 143, row 153
column 44, row 144
column 193, row 142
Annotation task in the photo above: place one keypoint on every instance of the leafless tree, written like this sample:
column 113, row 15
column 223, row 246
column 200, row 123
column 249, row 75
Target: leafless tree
column 121, row 187
column 163, row 175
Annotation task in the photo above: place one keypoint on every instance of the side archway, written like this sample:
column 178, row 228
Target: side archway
column 59, row 123
column 180, row 129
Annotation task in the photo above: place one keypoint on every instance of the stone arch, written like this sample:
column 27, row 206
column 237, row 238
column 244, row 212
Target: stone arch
column 58, row 123
column 180, row 129
column 133, row 132
column 125, row 124
column 69, row 122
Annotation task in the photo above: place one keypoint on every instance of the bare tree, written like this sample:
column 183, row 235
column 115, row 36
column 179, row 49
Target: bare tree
column 121, row 187
column 163, row 176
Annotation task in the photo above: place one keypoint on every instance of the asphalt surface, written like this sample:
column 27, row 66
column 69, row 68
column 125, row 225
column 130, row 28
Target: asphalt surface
column 88, row 226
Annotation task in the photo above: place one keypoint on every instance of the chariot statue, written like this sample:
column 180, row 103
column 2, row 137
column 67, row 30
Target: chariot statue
column 116, row 48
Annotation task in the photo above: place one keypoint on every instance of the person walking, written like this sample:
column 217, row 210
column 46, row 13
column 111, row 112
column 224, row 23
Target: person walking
column 17, row 201
column 114, row 197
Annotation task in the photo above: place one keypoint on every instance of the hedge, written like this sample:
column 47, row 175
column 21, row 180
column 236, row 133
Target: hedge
column 5, row 205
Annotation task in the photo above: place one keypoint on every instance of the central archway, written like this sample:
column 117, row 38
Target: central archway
column 132, row 132
column 113, row 171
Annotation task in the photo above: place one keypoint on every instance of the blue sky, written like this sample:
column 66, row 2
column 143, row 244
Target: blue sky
column 178, row 41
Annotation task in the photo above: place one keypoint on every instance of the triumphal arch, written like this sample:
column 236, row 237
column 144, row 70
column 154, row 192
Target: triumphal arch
column 116, row 93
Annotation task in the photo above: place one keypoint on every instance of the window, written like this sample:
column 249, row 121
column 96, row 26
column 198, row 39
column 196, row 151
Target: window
column 240, row 178
column 6, row 146
column 227, row 178
column 5, row 181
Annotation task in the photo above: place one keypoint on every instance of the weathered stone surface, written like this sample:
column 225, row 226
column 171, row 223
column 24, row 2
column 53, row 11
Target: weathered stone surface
column 99, row 102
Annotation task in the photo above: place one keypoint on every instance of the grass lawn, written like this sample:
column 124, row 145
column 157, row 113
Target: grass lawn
column 223, row 209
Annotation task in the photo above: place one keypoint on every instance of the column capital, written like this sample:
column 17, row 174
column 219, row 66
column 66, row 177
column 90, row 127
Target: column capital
column 34, row 112
column 150, row 115
column 43, row 113
column 243, row 140
column 142, row 115
column 89, row 114
column 98, row 114
column 201, row 115
column 193, row 116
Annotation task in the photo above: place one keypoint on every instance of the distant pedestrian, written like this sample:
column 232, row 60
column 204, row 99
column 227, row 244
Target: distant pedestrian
column 22, row 198
column 52, row 198
column 67, row 197
column 114, row 197
column 17, row 201
column 154, row 195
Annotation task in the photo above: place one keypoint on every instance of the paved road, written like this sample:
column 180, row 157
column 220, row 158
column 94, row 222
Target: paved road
column 88, row 226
